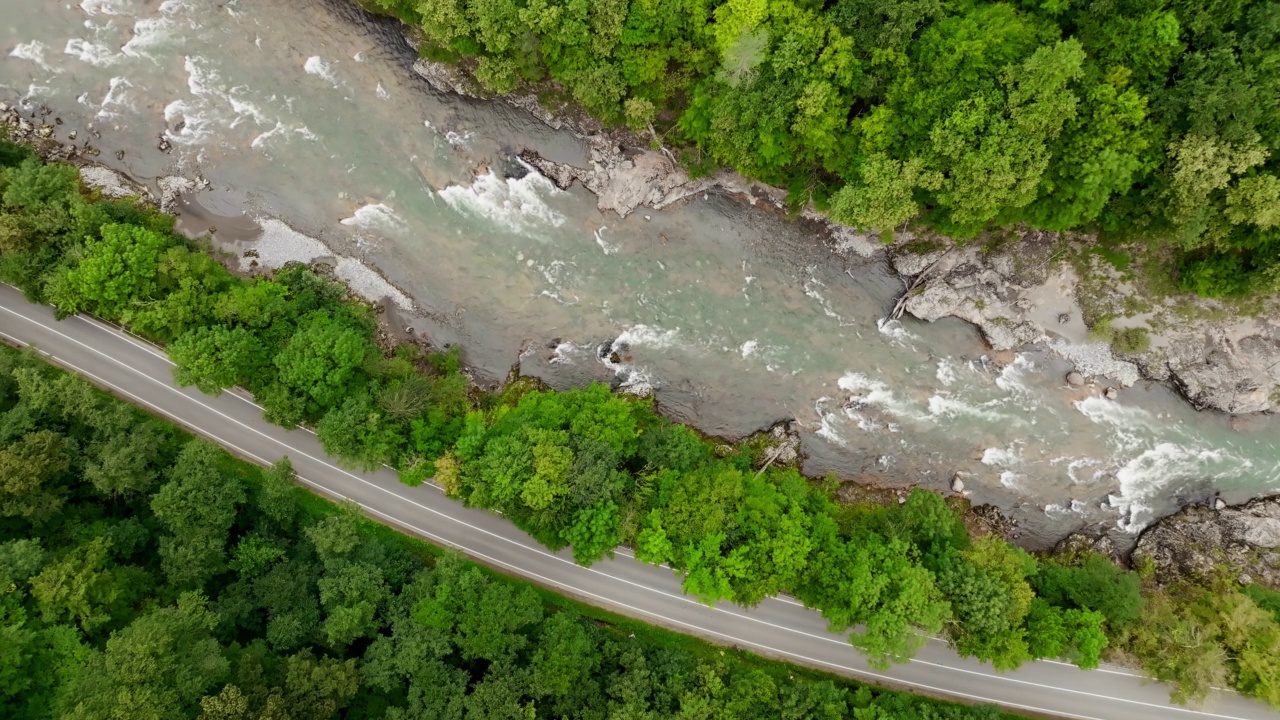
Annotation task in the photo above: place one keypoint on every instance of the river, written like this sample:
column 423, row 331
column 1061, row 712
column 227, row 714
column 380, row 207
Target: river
column 735, row 317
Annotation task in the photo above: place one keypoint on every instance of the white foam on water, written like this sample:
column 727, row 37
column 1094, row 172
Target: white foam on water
column 283, row 131
column 1149, row 475
column 896, row 333
column 516, row 204
column 648, row 336
column 1075, row 466
column 636, row 379
column 604, row 244
column 315, row 65
column 1012, row 480
column 869, row 391
column 381, row 92
column 457, row 139
column 811, row 289
column 1002, row 457
column 946, row 372
column 1123, row 422
column 116, row 97
column 197, row 127
column 104, row 7
column 376, row 217
column 201, row 78
column 949, row 406
column 553, row 273
column 215, row 107
column 33, row 52
column 567, row 353
column 1013, row 378
column 245, row 110
column 94, row 54
column 35, row 92
column 260, row 142
column 148, row 34
column 749, row 348
column 1056, row 511
column 828, row 423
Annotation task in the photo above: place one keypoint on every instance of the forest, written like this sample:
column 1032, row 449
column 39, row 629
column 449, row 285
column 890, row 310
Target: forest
column 583, row 468
column 146, row 575
column 1152, row 122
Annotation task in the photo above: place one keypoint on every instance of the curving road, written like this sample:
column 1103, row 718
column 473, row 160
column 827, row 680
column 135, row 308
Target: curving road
column 778, row 627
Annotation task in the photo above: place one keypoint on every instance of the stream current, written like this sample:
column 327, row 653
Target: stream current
column 308, row 112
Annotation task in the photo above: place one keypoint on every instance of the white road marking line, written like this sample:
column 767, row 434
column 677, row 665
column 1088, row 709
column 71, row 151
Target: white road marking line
column 543, row 553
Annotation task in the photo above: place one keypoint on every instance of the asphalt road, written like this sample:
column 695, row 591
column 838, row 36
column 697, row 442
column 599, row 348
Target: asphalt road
column 779, row 627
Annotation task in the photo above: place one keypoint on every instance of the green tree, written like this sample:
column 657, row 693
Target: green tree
column 352, row 594
column 885, row 197
column 322, row 360
column 1095, row 584
column 277, row 496
column 360, row 432
column 80, row 587
column 197, row 506
column 218, row 357
column 116, row 273
column 155, row 669
column 29, row 473
column 125, row 463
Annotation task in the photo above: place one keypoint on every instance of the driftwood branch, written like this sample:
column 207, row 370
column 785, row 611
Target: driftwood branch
column 901, row 306
column 777, row 451
column 662, row 146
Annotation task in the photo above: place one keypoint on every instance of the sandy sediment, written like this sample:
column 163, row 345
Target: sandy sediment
column 279, row 245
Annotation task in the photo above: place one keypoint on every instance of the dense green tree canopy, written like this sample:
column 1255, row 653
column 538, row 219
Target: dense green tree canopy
column 1154, row 118
column 317, row 615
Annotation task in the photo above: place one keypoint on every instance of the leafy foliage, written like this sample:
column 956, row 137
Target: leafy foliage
column 1152, row 117
column 318, row 614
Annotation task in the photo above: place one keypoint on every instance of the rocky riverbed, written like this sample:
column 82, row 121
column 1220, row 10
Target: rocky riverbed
column 1204, row 542
column 1016, row 293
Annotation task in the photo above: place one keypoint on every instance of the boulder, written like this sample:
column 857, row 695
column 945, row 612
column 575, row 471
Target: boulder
column 1199, row 541
column 1075, row 379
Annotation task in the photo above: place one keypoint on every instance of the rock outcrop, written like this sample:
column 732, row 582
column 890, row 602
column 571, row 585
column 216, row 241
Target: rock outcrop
column 1015, row 295
column 1022, row 293
column 1199, row 541
column 1217, row 368
column 623, row 181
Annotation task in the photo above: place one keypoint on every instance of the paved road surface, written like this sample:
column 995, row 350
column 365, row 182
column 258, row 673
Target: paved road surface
column 779, row 627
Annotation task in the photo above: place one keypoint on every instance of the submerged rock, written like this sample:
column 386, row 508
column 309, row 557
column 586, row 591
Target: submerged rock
column 1198, row 542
